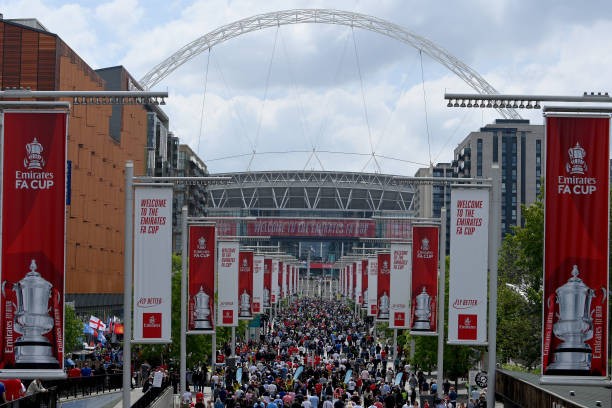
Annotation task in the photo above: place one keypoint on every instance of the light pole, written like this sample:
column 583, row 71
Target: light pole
column 441, row 300
column 493, row 248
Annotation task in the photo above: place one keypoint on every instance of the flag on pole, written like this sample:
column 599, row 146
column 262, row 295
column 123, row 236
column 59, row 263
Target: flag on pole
column 96, row 323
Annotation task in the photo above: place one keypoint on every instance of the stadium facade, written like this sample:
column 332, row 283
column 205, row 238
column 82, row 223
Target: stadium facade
column 321, row 215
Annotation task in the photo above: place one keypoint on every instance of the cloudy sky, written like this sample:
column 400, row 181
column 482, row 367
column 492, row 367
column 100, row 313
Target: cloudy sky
column 316, row 96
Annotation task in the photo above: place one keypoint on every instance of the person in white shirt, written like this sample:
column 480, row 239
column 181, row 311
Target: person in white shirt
column 328, row 402
column 186, row 398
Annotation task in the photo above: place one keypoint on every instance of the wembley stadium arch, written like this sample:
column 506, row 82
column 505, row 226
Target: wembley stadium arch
column 321, row 215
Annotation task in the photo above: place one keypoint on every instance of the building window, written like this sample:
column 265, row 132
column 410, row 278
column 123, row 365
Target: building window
column 495, row 142
column 479, row 157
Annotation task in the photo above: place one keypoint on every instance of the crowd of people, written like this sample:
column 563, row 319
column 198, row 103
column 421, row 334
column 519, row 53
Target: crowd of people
column 320, row 354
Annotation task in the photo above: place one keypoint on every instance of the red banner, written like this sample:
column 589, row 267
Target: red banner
column 353, row 289
column 245, row 284
column 281, row 274
column 202, row 244
column 398, row 229
column 424, row 309
column 227, row 228
column 364, row 283
column 575, row 329
column 321, row 265
column 384, row 280
column 304, row 227
column 267, row 283
column 33, row 240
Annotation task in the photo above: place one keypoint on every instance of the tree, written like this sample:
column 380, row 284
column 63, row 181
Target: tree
column 519, row 306
column 73, row 330
column 518, row 327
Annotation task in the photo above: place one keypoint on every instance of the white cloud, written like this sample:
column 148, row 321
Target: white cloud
column 314, row 95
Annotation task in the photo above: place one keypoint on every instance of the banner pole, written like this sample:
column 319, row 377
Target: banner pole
column 493, row 248
column 127, row 284
column 183, row 340
column 233, row 354
column 441, row 300
column 394, row 348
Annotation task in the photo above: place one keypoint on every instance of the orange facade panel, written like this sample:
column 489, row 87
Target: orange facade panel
column 12, row 56
column 47, row 62
column 95, row 218
column 29, row 60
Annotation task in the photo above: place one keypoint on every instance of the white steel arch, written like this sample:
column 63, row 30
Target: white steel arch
column 322, row 16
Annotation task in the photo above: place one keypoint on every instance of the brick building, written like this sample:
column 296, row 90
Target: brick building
column 101, row 138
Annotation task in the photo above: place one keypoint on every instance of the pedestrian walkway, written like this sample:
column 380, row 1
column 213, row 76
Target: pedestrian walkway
column 135, row 395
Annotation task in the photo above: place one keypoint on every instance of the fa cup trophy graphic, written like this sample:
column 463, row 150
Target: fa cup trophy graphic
column 422, row 311
column 266, row 298
column 574, row 326
column 202, row 310
column 245, row 304
column 32, row 321
column 383, row 310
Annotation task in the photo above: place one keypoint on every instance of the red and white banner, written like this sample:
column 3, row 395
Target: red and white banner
column 306, row 227
column 350, row 271
column 33, row 240
column 399, row 286
column 384, row 281
column 424, row 311
column 275, row 296
column 364, row 283
column 373, row 286
column 397, row 229
column 245, row 285
column 152, row 264
column 267, row 289
column 575, row 329
column 358, row 282
column 292, row 272
column 286, row 281
column 202, row 256
column 227, row 228
column 258, row 284
column 469, row 239
column 227, row 269
column 281, row 277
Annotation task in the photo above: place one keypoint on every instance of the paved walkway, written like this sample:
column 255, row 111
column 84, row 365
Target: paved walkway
column 135, row 395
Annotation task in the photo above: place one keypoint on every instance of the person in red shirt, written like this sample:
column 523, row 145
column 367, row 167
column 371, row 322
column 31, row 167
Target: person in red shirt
column 14, row 389
column 74, row 372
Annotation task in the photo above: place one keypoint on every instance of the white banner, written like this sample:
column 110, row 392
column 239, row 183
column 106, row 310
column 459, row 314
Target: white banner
column 358, row 289
column 286, row 268
column 469, row 240
column 227, row 269
column 291, row 280
column 258, row 283
column 372, row 286
column 152, row 264
column 275, row 288
column 399, row 288
column 351, row 281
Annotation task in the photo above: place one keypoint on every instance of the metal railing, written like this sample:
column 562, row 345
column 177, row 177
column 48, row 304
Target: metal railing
column 47, row 399
column 69, row 388
column 85, row 386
